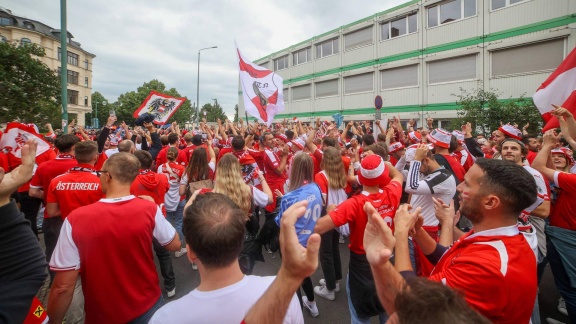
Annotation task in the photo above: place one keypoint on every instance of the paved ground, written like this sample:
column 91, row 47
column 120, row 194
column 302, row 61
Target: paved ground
column 330, row 311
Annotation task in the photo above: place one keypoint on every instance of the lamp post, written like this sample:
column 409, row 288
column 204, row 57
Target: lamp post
column 95, row 120
column 198, row 85
column 214, row 107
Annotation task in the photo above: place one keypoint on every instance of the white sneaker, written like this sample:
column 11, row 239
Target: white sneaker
column 323, row 283
column 194, row 267
column 553, row 321
column 311, row 306
column 181, row 252
column 323, row 292
column 171, row 293
column 562, row 306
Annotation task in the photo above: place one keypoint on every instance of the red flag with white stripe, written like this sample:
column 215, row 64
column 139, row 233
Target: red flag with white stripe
column 261, row 89
column 16, row 135
column 559, row 89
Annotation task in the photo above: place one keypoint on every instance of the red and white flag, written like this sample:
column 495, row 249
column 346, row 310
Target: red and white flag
column 160, row 105
column 16, row 135
column 262, row 90
column 295, row 119
column 558, row 89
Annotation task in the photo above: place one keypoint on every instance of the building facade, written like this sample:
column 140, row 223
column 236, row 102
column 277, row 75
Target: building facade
column 25, row 31
column 420, row 54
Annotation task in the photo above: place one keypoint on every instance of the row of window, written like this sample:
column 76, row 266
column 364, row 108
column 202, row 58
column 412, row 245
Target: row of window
column 505, row 62
column 72, row 58
column 73, row 98
column 73, row 77
column 439, row 14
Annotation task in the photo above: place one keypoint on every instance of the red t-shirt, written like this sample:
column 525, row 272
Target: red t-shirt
column 563, row 214
column 458, row 169
column 531, row 156
column 271, row 163
column 351, row 211
column 465, row 159
column 223, row 151
column 50, row 170
column 78, row 187
column 102, row 157
column 495, row 271
column 188, row 152
column 4, row 162
column 182, row 159
column 150, row 183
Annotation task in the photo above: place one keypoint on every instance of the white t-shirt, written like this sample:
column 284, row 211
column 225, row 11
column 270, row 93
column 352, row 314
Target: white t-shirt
column 226, row 305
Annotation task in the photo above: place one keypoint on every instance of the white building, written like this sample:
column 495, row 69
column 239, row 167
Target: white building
column 419, row 54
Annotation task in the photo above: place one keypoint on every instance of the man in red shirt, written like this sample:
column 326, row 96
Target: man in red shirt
column 362, row 299
column 274, row 167
column 492, row 265
column 110, row 242
column 152, row 184
column 41, row 182
column 173, row 140
column 444, row 145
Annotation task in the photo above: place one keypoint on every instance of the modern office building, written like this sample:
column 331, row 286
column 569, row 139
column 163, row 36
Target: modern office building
column 418, row 55
column 26, row 31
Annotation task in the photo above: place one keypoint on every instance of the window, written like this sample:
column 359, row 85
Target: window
column 399, row 27
column 86, row 101
column 358, row 38
column 358, row 83
column 286, row 94
column 301, row 92
column 29, row 25
column 327, row 48
column 72, row 58
column 86, row 82
column 497, row 4
column 3, row 39
column 72, row 76
column 25, row 41
column 452, row 69
column 281, row 63
column 451, row 11
column 404, row 76
column 521, row 59
column 72, row 97
column 86, row 64
column 263, row 64
column 302, row 56
column 326, row 88
column 5, row 21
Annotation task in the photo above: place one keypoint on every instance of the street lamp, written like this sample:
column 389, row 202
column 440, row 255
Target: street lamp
column 198, row 84
column 214, row 107
column 95, row 121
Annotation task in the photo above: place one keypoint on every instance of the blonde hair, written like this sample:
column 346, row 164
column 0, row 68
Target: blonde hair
column 302, row 170
column 334, row 168
column 230, row 183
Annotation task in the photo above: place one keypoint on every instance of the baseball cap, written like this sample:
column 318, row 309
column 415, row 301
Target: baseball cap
column 440, row 137
column 372, row 171
column 511, row 131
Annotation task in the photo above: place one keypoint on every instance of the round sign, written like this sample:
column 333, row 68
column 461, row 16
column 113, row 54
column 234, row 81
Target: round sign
column 378, row 102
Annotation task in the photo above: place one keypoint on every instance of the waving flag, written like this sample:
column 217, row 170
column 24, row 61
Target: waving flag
column 15, row 137
column 558, row 89
column 161, row 106
column 262, row 90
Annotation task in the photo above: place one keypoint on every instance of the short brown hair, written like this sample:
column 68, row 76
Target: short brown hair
column 85, row 151
column 214, row 229
column 123, row 167
column 145, row 159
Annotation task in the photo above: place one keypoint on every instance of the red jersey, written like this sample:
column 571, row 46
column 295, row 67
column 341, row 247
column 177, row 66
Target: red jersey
column 351, row 211
column 78, row 187
column 275, row 181
column 188, row 152
column 563, row 214
column 495, row 271
column 50, row 170
column 223, row 151
column 465, row 159
column 102, row 157
column 150, row 183
column 531, row 156
column 182, row 159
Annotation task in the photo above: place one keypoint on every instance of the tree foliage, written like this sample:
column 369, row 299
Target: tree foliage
column 128, row 102
column 213, row 112
column 29, row 89
column 101, row 106
column 486, row 112
column 236, row 117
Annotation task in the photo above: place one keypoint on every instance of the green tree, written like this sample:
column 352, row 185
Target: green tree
column 486, row 112
column 213, row 112
column 100, row 105
column 236, row 113
column 128, row 102
column 29, row 90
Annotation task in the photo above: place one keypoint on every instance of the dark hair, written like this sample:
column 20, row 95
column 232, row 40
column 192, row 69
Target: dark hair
column 368, row 139
column 65, row 143
column 238, row 143
column 85, row 151
column 214, row 228
column 263, row 137
column 523, row 148
column 197, row 140
column 378, row 149
column 172, row 153
column 145, row 159
column 329, row 141
column 164, row 140
column 381, row 137
column 453, row 144
column 515, row 186
column 289, row 134
column 526, row 138
column 123, row 167
column 427, row 301
column 172, row 138
column 197, row 168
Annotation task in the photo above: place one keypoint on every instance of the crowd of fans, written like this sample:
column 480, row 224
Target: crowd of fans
column 443, row 227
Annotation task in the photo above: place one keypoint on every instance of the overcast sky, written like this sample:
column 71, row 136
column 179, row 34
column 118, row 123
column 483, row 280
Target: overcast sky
column 136, row 41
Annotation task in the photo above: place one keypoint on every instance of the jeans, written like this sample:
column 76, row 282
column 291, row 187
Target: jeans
column 561, row 279
column 30, row 206
column 51, row 228
column 145, row 318
column 330, row 258
column 175, row 218
column 382, row 317
column 165, row 261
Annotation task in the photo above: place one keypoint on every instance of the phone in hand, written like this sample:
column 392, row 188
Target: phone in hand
column 112, row 113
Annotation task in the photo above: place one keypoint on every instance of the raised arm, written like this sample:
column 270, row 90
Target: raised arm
column 541, row 160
